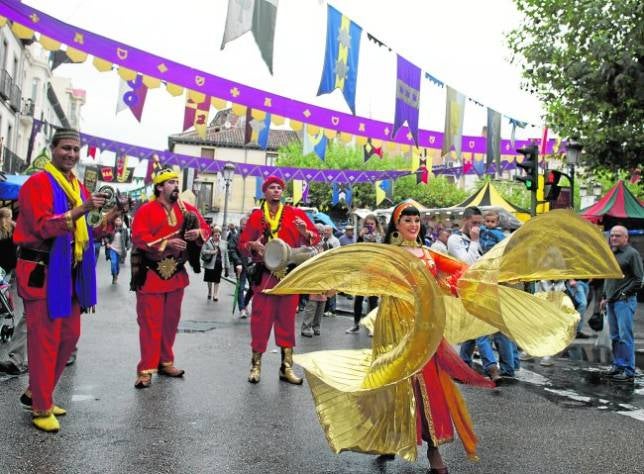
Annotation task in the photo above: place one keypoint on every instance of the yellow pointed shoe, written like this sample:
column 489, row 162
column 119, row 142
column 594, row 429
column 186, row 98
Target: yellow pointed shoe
column 47, row 423
column 58, row 411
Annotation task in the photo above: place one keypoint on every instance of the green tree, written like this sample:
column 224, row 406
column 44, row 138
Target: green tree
column 584, row 60
column 439, row 192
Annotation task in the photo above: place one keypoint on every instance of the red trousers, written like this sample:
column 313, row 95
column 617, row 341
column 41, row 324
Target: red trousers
column 158, row 318
column 50, row 342
column 272, row 311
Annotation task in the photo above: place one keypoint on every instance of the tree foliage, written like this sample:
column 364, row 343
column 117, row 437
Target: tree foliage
column 584, row 60
column 439, row 192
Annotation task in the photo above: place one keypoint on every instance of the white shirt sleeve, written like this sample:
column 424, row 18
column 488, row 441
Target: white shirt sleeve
column 457, row 247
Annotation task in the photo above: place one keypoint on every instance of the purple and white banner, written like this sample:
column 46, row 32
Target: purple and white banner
column 181, row 75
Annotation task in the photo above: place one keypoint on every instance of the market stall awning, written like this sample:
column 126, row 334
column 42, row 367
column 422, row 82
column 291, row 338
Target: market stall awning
column 487, row 195
column 618, row 206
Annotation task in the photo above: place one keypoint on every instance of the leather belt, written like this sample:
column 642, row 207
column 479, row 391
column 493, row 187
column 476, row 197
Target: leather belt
column 33, row 255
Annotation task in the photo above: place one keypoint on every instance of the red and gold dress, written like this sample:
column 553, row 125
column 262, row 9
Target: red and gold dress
column 386, row 398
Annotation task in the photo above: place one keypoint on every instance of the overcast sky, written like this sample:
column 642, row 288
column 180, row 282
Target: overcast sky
column 461, row 42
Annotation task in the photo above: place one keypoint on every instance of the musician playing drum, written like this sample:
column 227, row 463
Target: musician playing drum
column 162, row 242
column 273, row 220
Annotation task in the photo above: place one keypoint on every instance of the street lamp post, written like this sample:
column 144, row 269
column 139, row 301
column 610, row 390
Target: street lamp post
column 228, row 172
column 572, row 158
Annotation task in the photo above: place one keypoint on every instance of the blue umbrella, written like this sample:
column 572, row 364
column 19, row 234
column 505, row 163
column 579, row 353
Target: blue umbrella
column 9, row 188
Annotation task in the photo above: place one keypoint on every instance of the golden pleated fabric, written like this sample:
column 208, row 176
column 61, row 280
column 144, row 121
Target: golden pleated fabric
column 364, row 398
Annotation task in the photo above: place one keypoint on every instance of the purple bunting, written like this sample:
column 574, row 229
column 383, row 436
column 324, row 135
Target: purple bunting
column 215, row 86
column 407, row 98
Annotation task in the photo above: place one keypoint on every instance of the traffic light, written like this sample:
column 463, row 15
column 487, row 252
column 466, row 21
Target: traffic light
column 552, row 186
column 530, row 164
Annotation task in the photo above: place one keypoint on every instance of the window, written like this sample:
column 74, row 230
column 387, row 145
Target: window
column 9, row 138
column 271, row 158
column 3, row 53
column 208, row 153
column 35, row 85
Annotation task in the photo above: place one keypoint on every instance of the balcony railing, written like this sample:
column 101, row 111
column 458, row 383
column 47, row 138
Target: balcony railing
column 28, row 107
column 12, row 163
column 6, row 82
column 16, row 98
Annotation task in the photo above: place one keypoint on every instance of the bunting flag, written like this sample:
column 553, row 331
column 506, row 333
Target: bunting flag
column 259, row 193
column 315, row 144
column 370, row 150
column 91, row 151
column 493, row 138
column 132, row 95
column 422, row 175
column 544, row 142
column 297, row 191
column 454, row 113
column 305, row 192
column 341, row 192
column 515, row 123
column 257, row 131
column 120, row 165
column 407, row 98
column 90, row 178
column 384, row 190
column 478, row 165
column 341, row 57
column 154, row 165
column 107, row 173
column 256, row 16
column 56, row 58
column 196, row 115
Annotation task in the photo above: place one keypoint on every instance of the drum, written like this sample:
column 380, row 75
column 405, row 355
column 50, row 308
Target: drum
column 276, row 253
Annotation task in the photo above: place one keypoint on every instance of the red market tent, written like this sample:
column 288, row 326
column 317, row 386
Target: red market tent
column 618, row 206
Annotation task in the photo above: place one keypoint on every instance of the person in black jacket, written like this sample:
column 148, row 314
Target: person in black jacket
column 240, row 263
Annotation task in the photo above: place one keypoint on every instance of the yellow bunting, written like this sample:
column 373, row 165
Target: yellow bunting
column 258, row 114
column 376, row 142
column 277, row 119
column 126, row 74
column 239, row 110
column 312, row 130
column 217, row 103
column 101, row 65
column 76, row 55
column 174, row 89
column 48, row 43
column 390, row 146
column 196, row 97
column 151, row 82
column 330, row 133
column 22, row 32
column 3, row 21
column 345, row 137
column 360, row 140
column 296, row 125
column 404, row 148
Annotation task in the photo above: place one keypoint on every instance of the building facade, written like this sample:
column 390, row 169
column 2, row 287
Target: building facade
column 225, row 141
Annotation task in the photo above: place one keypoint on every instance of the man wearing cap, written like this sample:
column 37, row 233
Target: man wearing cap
column 348, row 237
column 161, row 240
column 55, row 239
column 273, row 220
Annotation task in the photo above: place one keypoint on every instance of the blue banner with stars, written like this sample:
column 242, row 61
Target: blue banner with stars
column 341, row 57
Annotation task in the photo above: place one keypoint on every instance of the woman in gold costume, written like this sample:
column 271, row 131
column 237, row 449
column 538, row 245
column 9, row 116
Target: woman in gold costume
column 391, row 397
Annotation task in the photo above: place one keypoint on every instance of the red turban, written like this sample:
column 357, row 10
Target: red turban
column 270, row 180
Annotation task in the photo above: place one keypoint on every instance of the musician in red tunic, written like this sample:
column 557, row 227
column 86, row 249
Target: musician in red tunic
column 161, row 242
column 55, row 239
column 292, row 225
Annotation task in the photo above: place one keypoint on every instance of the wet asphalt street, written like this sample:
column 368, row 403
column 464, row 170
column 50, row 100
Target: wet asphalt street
column 559, row 419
